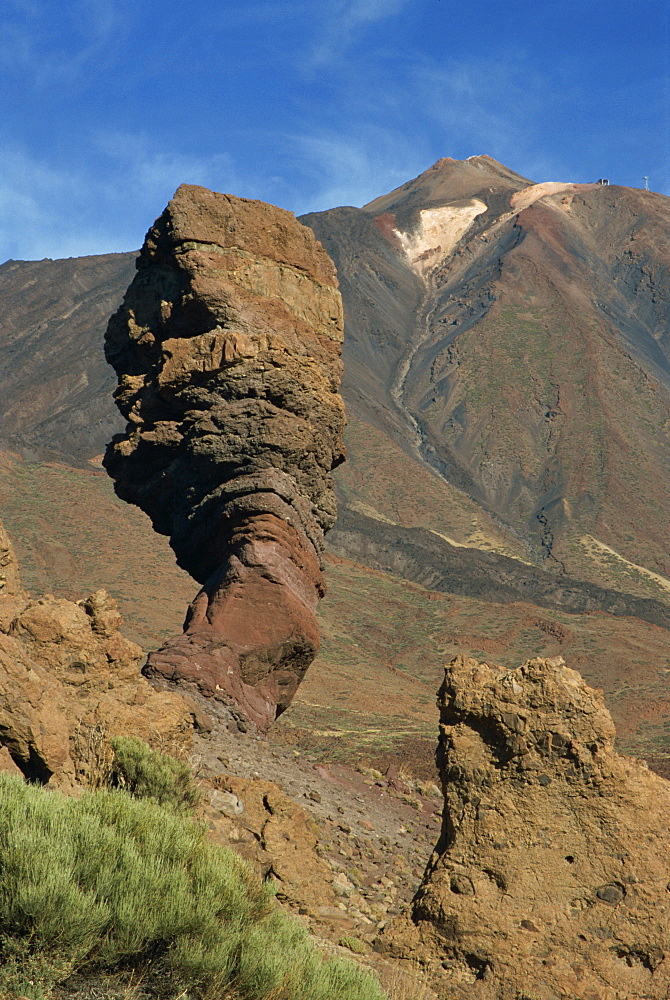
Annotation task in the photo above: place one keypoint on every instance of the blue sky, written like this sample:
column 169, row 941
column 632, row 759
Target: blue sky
column 107, row 105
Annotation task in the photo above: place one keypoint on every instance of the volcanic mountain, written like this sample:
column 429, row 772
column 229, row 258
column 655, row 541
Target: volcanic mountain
column 507, row 384
column 513, row 339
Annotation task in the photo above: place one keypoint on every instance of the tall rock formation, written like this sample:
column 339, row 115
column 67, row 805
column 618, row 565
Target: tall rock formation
column 552, row 875
column 227, row 347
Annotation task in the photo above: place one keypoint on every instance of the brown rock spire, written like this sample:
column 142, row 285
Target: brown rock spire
column 552, row 876
column 227, row 347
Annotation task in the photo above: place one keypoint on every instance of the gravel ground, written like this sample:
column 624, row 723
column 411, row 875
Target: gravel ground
column 375, row 832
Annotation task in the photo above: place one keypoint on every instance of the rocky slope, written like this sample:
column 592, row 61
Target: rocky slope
column 419, row 554
column 550, row 877
column 57, row 392
column 227, row 349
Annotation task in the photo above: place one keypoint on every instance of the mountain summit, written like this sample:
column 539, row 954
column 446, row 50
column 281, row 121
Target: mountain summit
column 447, row 181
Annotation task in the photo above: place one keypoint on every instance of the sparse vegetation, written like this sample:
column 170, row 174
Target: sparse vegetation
column 109, row 885
column 354, row 944
column 146, row 774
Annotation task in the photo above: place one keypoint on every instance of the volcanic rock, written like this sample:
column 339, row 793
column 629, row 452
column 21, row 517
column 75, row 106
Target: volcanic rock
column 68, row 681
column 227, row 347
column 495, row 331
column 264, row 825
column 552, row 874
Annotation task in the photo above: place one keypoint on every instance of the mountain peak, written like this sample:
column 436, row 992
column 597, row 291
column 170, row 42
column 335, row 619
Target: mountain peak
column 481, row 160
column 449, row 180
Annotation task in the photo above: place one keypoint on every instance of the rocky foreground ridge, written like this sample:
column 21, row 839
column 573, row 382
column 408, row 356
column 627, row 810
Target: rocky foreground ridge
column 69, row 680
column 551, row 878
column 227, row 348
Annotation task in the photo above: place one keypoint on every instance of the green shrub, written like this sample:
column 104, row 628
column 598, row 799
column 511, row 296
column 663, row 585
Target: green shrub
column 107, row 883
column 147, row 774
column 354, row 944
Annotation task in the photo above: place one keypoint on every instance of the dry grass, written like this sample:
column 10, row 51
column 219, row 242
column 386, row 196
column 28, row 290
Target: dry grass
column 92, row 754
column 406, row 982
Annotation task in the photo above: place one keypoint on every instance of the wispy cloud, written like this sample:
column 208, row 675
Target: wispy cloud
column 350, row 15
column 310, row 38
column 340, row 169
column 409, row 103
column 52, row 211
column 47, row 46
column 484, row 106
column 304, row 105
column 40, row 210
column 151, row 171
column 342, row 23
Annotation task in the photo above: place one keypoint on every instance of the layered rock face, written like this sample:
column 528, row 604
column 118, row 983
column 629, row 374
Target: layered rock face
column 552, row 875
column 227, row 347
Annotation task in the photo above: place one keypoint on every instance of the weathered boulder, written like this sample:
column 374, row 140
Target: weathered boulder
column 552, row 875
column 227, row 348
column 68, row 681
column 261, row 823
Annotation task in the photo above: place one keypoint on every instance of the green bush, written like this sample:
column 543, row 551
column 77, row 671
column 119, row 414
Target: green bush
column 147, row 774
column 354, row 944
column 107, row 883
